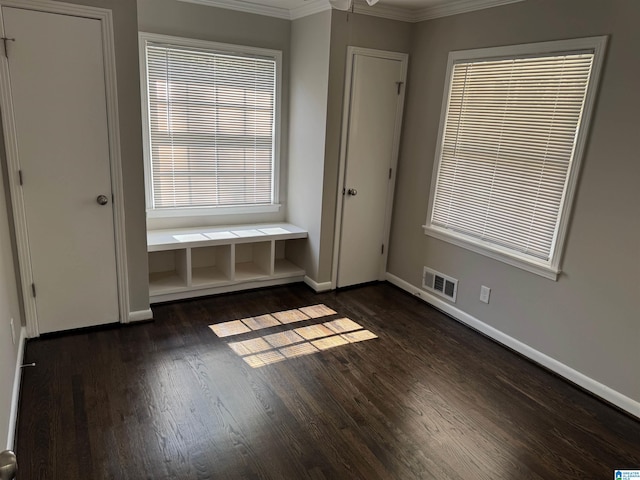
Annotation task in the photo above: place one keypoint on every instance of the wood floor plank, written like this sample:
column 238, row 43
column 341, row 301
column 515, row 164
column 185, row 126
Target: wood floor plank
column 427, row 399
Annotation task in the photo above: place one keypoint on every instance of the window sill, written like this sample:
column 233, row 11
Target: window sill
column 209, row 211
column 495, row 252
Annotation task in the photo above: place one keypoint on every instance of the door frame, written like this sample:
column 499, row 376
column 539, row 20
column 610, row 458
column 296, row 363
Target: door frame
column 13, row 162
column 344, row 143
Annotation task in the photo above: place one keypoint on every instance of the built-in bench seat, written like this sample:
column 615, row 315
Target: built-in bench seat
column 192, row 262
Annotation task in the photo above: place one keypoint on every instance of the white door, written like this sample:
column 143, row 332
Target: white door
column 57, row 85
column 375, row 103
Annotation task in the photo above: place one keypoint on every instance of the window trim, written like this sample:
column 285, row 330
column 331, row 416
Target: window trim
column 143, row 38
column 551, row 268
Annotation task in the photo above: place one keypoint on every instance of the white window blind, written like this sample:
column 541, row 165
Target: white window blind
column 507, row 145
column 211, row 127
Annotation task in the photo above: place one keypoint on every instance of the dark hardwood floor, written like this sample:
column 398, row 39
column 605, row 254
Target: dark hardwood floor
column 427, row 399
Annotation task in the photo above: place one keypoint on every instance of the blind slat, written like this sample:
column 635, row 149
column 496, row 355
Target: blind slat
column 507, row 146
column 212, row 127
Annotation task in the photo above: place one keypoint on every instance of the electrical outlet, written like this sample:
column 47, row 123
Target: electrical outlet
column 484, row 294
column 13, row 332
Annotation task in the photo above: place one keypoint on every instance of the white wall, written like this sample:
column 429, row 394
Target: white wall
column 589, row 319
column 309, row 84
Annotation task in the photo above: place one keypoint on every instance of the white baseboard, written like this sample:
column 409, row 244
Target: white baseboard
column 597, row 388
column 317, row 287
column 140, row 315
column 15, row 397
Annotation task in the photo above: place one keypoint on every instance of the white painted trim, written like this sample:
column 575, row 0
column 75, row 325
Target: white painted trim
column 441, row 9
column 403, row 58
column 15, row 396
column 17, row 201
column 246, row 7
column 165, row 239
column 549, row 268
column 346, row 103
column 606, row 393
column 456, row 7
column 492, row 251
column 318, row 287
column 206, row 211
column 384, row 11
column 309, row 8
column 306, row 9
column 13, row 162
column 395, row 152
column 117, row 183
column 140, row 315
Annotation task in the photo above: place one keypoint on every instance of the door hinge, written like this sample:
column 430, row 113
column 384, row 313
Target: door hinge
column 20, row 177
column 399, row 84
column 5, row 40
column 113, row 198
column 390, row 170
column 33, row 289
column 382, row 250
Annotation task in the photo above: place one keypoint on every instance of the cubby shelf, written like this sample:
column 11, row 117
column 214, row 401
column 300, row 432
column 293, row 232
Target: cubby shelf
column 194, row 262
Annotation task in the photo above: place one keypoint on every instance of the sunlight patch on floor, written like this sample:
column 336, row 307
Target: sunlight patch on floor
column 282, row 339
column 291, row 316
column 228, row 329
column 295, row 342
column 263, row 321
column 317, row 311
column 313, row 331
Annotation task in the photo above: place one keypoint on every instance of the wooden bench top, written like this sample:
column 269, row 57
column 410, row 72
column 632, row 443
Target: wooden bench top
column 173, row 239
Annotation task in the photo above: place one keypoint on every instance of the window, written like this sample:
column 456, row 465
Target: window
column 513, row 129
column 211, row 126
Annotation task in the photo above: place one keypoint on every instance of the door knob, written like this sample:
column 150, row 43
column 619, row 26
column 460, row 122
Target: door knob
column 102, row 200
column 352, row 191
column 8, row 465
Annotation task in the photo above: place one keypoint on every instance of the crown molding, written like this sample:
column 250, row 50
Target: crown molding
column 383, row 11
column 309, row 8
column 438, row 10
column 456, row 7
column 246, row 7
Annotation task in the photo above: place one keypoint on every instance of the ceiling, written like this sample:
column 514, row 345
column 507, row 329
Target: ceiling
column 406, row 10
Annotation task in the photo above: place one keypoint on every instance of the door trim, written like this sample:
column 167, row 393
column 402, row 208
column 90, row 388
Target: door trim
column 344, row 141
column 13, row 164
